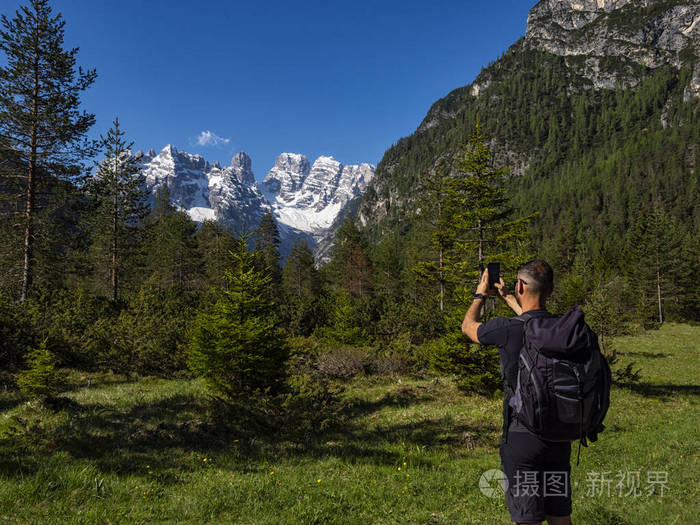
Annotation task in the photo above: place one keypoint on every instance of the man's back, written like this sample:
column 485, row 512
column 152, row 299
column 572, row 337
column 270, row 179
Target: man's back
column 507, row 334
column 538, row 471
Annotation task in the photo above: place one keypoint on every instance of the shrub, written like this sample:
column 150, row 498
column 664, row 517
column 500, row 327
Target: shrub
column 151, row 335
column 342, row 363
column 15, row 335
column 41, row 379
column 392, row 363
column 312, row 404
column 476, row 366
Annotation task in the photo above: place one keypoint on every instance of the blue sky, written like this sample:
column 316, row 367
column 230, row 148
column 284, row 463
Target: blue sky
column 346, row 79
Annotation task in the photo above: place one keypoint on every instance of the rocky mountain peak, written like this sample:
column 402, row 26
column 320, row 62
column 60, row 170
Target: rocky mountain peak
column 305, row 199
column 573, row 14
column 286, row 176
column 640, row 34
column 243, row 168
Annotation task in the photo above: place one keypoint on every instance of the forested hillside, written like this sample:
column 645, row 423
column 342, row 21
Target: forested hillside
column 611, row 173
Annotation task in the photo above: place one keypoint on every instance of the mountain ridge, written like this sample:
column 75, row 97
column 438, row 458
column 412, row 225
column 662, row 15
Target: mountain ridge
column 305, row 199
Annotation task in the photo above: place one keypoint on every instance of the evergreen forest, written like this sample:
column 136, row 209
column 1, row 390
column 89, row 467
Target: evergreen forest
column 96, row 275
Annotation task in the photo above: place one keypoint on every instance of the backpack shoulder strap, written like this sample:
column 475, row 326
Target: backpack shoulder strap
column 522, row 317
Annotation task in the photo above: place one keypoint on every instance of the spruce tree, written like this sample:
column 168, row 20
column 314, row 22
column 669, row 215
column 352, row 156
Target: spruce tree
column 483, row 222
column 350, row 266
column 434, row 220
column 214, row 246
column 653, row 256
column 300, row 308
column 172, row 245
column 237, row 348
column 299, row 276
column 43, row 131
column 41, row 379
column 119, row 202
column 267, row 242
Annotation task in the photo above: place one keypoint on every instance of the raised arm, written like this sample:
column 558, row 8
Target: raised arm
column 471, row 323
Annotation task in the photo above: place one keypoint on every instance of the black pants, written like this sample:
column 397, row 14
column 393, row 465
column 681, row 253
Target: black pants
column 538, row 474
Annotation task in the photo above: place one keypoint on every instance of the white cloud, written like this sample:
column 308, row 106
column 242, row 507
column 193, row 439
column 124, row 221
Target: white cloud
column 209, row 138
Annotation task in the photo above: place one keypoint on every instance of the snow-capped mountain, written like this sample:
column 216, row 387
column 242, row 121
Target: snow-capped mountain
column 309, row 198
column 305, row 199
column 207, row 191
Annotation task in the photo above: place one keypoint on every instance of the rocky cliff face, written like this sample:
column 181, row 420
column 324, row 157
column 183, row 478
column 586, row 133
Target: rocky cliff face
column 638, row 33
column 305, row 200
column 286, row 176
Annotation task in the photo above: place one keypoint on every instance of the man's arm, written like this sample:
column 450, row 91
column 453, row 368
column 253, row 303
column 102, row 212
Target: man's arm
column 471, row 320
column 508, row 298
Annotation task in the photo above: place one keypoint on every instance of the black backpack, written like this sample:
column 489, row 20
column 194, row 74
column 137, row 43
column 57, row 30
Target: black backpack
column 560, row 386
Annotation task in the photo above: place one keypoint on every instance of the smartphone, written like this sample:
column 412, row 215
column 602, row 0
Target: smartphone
column 494, row 269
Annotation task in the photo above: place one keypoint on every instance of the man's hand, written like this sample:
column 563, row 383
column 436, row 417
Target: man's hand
column 483, row 287
column 501, row 289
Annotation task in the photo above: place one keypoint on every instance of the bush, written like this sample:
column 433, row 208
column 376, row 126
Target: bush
column 15, row 335
column 151, row 335
column 476, row 366
column 342, row 363
column 392, row 363
column 41, row 380
column 312, row 404
column 77, row 325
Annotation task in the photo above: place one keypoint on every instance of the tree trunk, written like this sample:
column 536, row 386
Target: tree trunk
column 29, row 226
column 658, row 284
column 442, row 285
column 658, row 294
column 480, row 229
column 31, row 186
column 115, row 217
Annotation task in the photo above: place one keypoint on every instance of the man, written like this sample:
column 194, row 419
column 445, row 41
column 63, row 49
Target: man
column 537, row 471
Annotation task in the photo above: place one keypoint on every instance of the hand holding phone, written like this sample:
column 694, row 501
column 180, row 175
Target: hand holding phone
column 494, row 270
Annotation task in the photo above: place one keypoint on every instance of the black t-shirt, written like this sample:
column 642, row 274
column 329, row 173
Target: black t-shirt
column 507, row 335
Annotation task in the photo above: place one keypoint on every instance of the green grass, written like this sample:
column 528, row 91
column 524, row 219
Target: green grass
column 412, row 451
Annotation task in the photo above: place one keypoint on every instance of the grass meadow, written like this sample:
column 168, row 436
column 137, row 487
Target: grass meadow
column 411, row 450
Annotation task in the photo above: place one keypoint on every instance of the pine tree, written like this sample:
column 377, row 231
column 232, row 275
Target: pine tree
column 480, row 215
column 434, row 219
column 119, row 202
column 299, row 276
column 238, row 348
column 350, row 266
column 41, row 126
column 41, row 379
column 267, row 242
column 214, row 246
column 300, row 308
column 172, row 246
column 654, row 249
